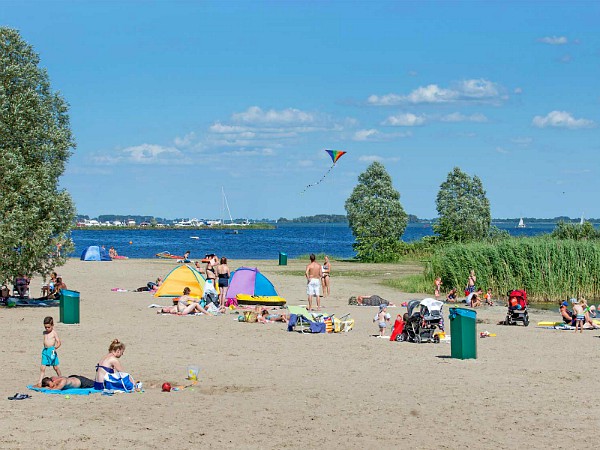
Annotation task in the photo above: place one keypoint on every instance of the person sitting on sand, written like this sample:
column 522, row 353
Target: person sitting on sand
column 70, row 382
column 566, row 313
column 185, row 305
column 265, row 317
column 451, row 297
column 112, row 252
column 474, row 296
column 109, row 363
column 569, row 317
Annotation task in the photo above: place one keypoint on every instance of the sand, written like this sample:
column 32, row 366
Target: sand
column 262, row 387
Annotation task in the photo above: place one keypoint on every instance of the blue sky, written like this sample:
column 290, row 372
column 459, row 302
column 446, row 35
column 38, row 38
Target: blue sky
column 172, row 100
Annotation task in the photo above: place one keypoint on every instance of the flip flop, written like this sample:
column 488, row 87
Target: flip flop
column 18, row 396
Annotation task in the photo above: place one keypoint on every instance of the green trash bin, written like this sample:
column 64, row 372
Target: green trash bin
column 282, row 259
column 463, row 333
column 68, row 306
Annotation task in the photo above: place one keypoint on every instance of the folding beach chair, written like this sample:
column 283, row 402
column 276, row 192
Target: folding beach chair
column 308, row 322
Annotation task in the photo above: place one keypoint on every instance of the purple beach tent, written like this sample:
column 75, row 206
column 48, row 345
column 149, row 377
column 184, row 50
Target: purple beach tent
column 248, row 280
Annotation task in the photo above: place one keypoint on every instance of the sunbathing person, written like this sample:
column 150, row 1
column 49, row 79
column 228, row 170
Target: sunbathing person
column 185, row 305
column 70, row 382
column 372, row 300
column 265, row 317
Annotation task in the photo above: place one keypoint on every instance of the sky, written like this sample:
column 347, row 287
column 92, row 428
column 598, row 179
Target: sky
column 173, row 103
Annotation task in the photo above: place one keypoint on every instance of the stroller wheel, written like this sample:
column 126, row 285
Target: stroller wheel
column 401, row 337
column 436, row 339
column 526, row 319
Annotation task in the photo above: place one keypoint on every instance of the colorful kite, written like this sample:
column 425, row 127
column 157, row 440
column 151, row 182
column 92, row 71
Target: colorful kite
column 335, row 155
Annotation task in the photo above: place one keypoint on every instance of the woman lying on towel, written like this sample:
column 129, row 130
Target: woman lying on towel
column 186, row 305
column 265, row 317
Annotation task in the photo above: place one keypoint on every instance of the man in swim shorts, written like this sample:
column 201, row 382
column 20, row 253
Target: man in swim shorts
column 313, row 273
column 70, row 382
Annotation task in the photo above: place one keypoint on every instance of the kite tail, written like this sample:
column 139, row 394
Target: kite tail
column 318, row 182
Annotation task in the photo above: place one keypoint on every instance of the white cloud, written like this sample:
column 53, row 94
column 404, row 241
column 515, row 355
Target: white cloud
column 458, row 117
column 502, row 150
column 518, row 90
column 554, row 40
column 185, row 141
column 472, row 90
column 149, row 153
column 561, row 119
column 404, row 120
column 364, row 135
column 256, row 115
column 373, row 158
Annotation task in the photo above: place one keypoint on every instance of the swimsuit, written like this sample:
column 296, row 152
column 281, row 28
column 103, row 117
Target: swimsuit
column 313, row 287
column 325, row 267
column 223, row 279
column 382, row 325
column 86, row 383
column 99, row 386
column 49, row 357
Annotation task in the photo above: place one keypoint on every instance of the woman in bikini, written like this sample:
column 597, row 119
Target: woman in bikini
column 326, row 270
column 223, row 274
column 109, row 364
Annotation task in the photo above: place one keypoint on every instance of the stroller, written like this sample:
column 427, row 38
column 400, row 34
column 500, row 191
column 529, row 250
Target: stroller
column 422, row 320
column 517, row 308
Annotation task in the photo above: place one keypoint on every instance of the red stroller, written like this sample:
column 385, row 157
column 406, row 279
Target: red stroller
column 517, row 308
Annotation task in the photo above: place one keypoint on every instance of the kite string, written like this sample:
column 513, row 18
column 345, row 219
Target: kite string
column 318, row 182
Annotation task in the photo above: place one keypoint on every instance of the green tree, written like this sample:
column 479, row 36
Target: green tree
column 463, row 209
column 375, row 215
column 35, row 141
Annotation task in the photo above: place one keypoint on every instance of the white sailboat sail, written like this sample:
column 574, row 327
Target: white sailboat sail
column 521, row 223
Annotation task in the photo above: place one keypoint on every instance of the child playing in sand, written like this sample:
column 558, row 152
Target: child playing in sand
column 579, row 310
column 437, row 287
column 51, row 343
column 382, row 318
column 488, row 297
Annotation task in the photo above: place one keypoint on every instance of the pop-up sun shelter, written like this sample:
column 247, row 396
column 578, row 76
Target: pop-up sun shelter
column 95, row 253
column 250, row 287
column 180, row 278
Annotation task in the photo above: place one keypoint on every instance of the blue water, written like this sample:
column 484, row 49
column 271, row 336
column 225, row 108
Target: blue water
column 293, row 239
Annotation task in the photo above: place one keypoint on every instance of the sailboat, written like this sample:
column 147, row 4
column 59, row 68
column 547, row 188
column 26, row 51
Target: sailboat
column 231, row 222
column 581, row 221
column 521, row 223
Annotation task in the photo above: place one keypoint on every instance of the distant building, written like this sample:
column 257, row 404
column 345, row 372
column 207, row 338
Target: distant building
column 131, row 223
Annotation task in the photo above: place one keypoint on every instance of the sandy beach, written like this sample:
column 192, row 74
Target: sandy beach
column 261, row 387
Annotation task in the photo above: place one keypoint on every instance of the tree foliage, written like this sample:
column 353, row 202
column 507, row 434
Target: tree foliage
column 575, row 231
column 463, row 209
column 35, row 144
column 375, row 215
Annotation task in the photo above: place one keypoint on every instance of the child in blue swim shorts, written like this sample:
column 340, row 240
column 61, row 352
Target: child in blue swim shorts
column 51, row 344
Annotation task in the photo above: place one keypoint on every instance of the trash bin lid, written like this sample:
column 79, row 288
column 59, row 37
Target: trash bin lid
column 464, row 312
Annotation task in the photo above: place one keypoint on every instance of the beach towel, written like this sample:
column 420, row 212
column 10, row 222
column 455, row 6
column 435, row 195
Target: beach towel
column 72, row 391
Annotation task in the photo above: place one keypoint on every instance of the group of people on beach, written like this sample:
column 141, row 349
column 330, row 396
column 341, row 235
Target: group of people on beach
column 474, row 296
column 108, row 364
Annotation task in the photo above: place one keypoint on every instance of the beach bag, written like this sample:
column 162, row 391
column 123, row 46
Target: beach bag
column 118, row 381
column 250, row 317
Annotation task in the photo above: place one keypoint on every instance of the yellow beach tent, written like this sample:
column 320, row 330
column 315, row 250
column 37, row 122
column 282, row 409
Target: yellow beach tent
column 179, row 278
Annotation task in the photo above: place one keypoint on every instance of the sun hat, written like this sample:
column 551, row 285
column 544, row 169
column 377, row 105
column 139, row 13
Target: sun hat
column 574, row 300
column 565, row 303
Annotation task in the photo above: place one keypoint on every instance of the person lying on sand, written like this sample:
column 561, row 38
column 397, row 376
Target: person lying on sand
column 265, row 317
column 70, row 382
column 369, row 300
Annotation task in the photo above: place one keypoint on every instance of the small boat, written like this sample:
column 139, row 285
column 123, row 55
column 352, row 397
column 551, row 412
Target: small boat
column 194, row 237
column 521, row 223
column 232, row 232
column 167, row 255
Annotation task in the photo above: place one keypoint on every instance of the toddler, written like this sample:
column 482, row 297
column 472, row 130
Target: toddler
column 579, row 311
column 488, row 297
column 51, row 343
column 437, row 287
column 382, row 318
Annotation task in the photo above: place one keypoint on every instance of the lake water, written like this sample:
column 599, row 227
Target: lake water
column 292, row 239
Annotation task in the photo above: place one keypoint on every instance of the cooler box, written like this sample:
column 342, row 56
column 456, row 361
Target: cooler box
column 464, row 333
column 69, row 306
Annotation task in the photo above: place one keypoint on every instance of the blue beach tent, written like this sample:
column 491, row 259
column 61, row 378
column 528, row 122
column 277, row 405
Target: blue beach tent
column 95, row 253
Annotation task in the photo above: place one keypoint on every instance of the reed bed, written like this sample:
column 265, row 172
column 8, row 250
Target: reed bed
column 549, row 269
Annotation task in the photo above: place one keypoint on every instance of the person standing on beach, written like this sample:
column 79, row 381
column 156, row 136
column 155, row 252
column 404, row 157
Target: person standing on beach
column 314, row 273
column 471, row 282
column 326, row 272
column 437, row 287
column 51, row 344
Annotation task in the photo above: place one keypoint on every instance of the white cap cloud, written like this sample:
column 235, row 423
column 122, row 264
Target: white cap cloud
column 458, row 117
column 554, row 40
column 404, row 120
column 474, row 90
column 561, row 119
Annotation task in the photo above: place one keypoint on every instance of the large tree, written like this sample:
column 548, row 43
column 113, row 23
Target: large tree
column 35, row 144
column 375, row 215
column 463, row 209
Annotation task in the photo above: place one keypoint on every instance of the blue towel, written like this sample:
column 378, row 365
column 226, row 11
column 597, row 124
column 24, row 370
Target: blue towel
column 292, row 321
column 72, row 391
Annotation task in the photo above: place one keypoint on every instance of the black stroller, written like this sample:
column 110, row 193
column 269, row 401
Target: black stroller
column 422, row 320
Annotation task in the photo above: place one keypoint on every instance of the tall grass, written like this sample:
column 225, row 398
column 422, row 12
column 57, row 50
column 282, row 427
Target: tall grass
column 548, row 269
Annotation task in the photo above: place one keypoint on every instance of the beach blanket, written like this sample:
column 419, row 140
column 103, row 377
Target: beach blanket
column 32, row 302
column 78, row 391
